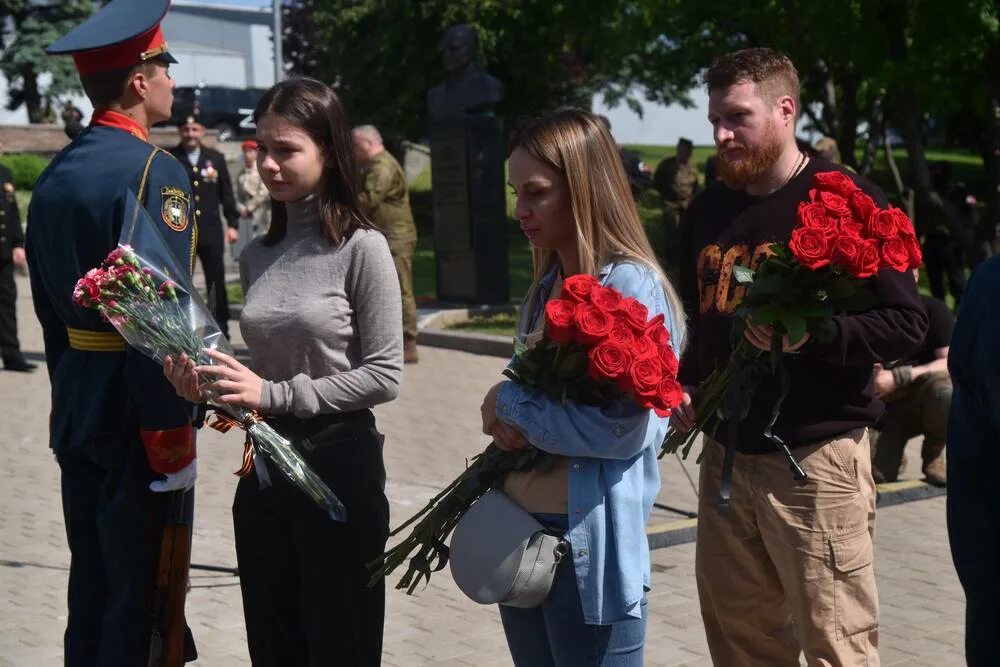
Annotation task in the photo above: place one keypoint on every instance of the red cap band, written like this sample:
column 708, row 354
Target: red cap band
column 139, row 49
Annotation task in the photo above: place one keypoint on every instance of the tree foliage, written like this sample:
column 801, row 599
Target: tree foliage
column 383, row 56
column 26, row 28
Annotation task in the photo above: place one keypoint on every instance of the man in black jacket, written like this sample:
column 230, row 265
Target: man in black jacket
column 788, row 569
column 11, row 254
column 213, row 190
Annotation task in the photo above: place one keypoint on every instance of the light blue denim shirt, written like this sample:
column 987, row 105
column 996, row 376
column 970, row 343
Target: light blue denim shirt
column 613, row 473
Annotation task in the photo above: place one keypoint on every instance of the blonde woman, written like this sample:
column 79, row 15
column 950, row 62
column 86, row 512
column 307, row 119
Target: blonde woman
column 575, row 207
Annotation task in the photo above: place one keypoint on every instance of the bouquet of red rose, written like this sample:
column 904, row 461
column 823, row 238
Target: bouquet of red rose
column 842, row 239
column 597, row 347
column 151, row 302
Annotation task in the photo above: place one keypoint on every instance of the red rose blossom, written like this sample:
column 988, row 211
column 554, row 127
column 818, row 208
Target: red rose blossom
column 913, row 247
column 845, row 250
column 848, row 226
column 635, row 313
column 577, row 287
column 644, row 347
column 810, row 247
column 606, row 298
column 883, row 225
column 560, row 320
column 608, row 361
column 862, row 205
column 895, row 255
column 669, row 361
column 622, row 332
column 658, row 333
column 835, row 181
column 867, row 261
column 903, row 223
column 670, row 394
column 814, row 215
column 645, row 374
column 835, row 204
column 593, row 324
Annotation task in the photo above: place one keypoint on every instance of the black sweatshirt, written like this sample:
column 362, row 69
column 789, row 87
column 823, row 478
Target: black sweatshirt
column 830, row 383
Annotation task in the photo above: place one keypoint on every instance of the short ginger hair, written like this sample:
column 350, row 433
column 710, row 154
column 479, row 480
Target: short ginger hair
column 772, row 72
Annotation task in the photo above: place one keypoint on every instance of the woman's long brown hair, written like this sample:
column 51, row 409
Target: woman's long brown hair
column 313, row 107
column 577, row 145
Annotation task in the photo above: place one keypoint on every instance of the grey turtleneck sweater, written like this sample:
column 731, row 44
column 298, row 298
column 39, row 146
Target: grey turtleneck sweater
column 323, row 324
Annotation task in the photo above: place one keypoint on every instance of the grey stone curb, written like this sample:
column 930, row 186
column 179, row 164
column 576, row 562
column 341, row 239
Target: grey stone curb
column 433, row 333
column 467, row 341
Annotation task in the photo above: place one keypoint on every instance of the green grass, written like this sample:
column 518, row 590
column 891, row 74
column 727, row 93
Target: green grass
column 234, row 292
column 501, row 324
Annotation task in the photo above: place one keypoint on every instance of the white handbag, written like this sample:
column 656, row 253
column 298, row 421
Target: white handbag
column 502, row 554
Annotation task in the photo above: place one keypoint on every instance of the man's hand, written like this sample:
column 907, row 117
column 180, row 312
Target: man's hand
column 882, row 381
column 175, row 481
column 760, row 336
column 18, row 256
column 682, row 417
column 232, row 235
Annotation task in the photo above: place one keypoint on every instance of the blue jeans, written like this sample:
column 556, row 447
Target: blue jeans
column 555, row 634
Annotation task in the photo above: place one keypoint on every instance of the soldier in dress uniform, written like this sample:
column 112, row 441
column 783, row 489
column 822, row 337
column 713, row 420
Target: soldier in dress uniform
column 385, row 199
column 11, row 255
column 119, row 431
column 213, row 190
column 676, row 179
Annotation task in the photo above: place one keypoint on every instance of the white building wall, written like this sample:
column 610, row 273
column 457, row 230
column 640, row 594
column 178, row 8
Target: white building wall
column 215, row 45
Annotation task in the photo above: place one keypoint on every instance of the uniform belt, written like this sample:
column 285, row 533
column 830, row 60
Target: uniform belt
column 95, row 341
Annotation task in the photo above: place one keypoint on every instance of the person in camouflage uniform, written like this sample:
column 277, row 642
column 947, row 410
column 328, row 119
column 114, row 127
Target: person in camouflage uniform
column 917, row 393
column 676, row 179
column 385, row 200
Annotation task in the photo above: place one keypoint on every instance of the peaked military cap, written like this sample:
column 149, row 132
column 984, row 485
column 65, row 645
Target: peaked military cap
column 122, row 34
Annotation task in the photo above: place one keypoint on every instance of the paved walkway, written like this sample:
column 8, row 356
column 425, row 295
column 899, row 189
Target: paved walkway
column 430, row 430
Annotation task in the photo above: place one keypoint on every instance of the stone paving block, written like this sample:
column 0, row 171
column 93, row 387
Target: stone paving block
column 431, row 429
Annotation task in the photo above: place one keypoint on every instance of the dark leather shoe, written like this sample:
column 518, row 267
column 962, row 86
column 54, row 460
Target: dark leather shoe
column 21, row 366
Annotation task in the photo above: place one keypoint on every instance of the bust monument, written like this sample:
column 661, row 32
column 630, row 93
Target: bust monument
column 467, row 158
column 468, row 89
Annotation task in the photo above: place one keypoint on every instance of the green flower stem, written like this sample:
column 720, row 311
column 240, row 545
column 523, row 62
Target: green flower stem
column 708, row 398
column 424, row 546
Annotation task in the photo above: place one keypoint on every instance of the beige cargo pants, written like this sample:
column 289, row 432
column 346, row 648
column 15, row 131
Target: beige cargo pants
column 790, row 568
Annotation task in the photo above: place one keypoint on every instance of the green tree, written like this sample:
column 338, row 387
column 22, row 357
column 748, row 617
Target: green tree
column 26, row 28
column 383, row 56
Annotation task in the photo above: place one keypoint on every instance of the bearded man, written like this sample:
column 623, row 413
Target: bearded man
column 788, row 568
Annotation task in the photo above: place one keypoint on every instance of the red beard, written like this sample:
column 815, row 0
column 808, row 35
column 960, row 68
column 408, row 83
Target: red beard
column 754, row 162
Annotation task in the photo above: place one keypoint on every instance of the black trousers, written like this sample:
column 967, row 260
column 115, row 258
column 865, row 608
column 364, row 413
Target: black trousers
column 944, row 260
column 10, row 349
column 113, row 526
column 211, row 257
column 303, row 576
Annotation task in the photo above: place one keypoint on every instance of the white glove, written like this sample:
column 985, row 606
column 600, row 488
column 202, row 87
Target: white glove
column 175, row 481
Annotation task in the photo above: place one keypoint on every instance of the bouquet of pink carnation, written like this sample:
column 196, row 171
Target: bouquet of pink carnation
column 598, row 347
column 151, row 302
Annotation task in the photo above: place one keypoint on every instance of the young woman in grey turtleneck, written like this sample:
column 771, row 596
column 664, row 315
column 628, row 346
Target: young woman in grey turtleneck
column 321, row 321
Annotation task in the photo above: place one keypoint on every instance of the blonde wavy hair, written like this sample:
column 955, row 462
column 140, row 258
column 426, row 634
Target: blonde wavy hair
column 577, row 145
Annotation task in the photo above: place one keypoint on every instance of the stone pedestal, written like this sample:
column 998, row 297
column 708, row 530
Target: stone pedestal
column 470, row 240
